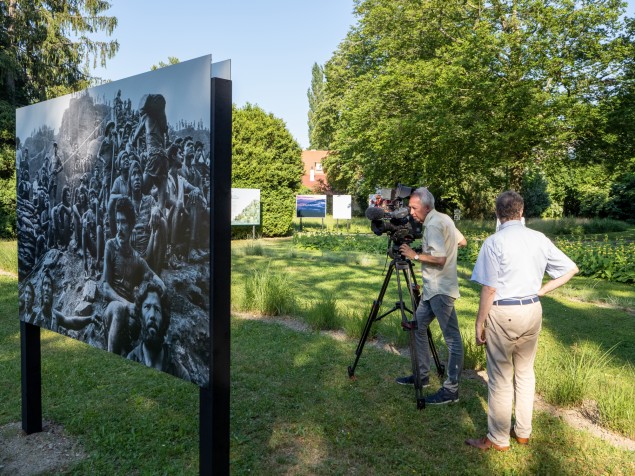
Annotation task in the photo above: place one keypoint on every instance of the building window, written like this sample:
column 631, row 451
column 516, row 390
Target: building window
column 318, row 166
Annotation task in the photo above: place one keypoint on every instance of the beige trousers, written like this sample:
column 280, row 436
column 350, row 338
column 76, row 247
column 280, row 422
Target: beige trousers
column 512, row 340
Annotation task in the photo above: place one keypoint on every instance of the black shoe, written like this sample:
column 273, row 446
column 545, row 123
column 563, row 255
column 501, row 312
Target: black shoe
column 410, row 380
column 442, row 397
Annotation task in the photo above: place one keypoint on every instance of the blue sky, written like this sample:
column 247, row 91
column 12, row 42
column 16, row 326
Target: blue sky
column 272, row 45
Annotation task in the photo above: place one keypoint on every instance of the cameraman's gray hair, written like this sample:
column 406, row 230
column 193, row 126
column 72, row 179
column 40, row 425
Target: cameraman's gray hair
column 424, row 196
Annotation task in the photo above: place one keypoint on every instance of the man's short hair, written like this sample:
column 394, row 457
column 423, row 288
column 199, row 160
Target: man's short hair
column 141, row 293
column 424, row 196
column 509, row 206
column 125, row 206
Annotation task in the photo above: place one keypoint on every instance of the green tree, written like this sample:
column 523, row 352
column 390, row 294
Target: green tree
column 534, row 192
column 267, row 157
column 46, row 51
column 171, row 60
column 315, row 96
column 464, row 96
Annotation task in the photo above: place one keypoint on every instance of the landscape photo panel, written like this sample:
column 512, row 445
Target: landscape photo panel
column 245, row 206
column 310, row 206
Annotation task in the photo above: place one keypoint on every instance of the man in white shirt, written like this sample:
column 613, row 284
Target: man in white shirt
column 440, row 289
column 510, row 266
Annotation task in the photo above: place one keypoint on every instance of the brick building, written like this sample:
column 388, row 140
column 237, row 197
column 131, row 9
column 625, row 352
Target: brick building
column 313, row 173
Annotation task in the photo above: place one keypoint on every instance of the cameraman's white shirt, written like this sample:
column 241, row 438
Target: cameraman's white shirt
column 440, row 239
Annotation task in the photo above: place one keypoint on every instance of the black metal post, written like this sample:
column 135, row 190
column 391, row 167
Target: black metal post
column 214, row 401
column 31, row 378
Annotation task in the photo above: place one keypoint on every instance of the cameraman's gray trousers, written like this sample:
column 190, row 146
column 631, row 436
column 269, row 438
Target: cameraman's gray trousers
column 441, row 307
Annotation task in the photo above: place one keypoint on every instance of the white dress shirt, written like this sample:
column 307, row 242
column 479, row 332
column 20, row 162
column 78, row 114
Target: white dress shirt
column 514, row 261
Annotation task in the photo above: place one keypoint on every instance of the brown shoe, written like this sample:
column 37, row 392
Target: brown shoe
column 485, row 444
column 519, row 440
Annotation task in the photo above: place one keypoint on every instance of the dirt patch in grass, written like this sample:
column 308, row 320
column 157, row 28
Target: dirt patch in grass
column 8, row 273
column 49, row 451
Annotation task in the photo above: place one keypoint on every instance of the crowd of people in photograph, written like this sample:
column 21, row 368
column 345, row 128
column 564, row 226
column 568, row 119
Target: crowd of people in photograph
column 135, row 208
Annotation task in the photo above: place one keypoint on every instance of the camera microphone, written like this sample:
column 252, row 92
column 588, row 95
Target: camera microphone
column 375, row 213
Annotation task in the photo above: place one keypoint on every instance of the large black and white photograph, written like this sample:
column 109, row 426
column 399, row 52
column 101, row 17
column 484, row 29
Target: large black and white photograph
column 113, row 217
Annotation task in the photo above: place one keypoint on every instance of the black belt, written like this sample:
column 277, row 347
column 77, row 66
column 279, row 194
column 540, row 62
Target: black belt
column 516, row 302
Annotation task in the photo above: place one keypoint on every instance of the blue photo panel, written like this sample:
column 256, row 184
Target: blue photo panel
column 310, row 206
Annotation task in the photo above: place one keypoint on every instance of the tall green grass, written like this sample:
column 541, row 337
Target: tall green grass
column 473, row 355
column 354, row 322
column 9, row 256
column 616, row 408
column 322, row 314
column 269, row 293
column 568, row 381
column 577, row 226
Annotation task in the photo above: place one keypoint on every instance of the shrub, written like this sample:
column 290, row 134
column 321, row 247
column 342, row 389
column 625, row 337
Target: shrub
column 534, row 192
column 611, row 260
column 266, row 156
column 268, row 293
column 622, row 198
column 8, row 208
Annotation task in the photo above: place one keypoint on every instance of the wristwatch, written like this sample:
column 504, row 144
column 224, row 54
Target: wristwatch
column 416, row 258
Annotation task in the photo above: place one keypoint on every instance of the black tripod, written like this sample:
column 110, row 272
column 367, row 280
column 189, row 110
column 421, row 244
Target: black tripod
column 399, row 263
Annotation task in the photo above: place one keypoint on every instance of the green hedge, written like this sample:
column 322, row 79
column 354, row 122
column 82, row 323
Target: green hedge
column 612, row 260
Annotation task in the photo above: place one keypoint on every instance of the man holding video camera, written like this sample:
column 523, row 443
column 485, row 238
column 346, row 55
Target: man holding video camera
column 440, row 289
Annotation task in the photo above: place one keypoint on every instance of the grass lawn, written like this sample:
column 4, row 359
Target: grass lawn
column 293, row 408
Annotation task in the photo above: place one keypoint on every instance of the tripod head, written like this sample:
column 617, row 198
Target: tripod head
column 395, row 244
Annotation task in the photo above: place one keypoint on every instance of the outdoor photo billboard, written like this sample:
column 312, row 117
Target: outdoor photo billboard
column 342, row 207
column 245, row 206
column 113, row 217
column 310, row 206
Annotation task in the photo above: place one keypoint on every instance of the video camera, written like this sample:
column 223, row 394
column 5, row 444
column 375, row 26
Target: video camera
column 390, row 216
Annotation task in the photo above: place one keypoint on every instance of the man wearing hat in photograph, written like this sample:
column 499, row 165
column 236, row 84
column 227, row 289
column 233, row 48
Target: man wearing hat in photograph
column 154, row 123
column 106, row 155
column 119, row 187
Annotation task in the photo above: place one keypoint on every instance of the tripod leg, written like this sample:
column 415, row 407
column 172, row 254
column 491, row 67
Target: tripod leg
column 360, row 345
column 411, row 327
column 369, row 322
column 435, row 355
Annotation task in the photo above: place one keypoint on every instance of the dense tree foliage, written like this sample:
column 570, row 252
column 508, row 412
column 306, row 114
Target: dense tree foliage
column 267, row 157
column 315, row 96
column 469, row 97
column 45, row 51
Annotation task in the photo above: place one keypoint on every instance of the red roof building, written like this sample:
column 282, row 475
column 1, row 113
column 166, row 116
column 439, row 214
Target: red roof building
column 313, row 173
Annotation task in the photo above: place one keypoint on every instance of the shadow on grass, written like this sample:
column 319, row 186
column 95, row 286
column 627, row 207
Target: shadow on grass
column 576, row 322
